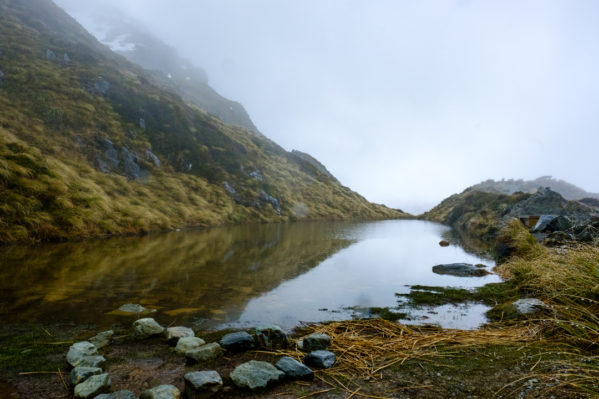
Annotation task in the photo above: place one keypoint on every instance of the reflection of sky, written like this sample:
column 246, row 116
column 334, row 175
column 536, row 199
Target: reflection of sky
column 387, row 257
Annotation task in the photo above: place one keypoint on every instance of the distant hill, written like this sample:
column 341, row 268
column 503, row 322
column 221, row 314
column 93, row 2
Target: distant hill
column 92, row 144
column 567, row 190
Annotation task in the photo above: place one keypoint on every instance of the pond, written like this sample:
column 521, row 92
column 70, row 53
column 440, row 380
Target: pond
column 237, row 276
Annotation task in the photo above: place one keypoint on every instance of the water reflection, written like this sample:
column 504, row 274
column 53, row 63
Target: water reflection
column 233, row 276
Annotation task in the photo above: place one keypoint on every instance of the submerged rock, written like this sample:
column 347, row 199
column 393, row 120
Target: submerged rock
column 161, row 392
column 102, row 339
column 93, row 386
column 460, row 270
column 314, row 342
column 271, row 337
column 133, row 308
column 202, row 384
column 255, row 375
column 173, row 334
column 79, row 350
column 237, row 342
column 320, row 359
column 124, row 394
column 205, row 352
column 144, row 328
column 294, row 369
column 188, row 343
column 82, row 373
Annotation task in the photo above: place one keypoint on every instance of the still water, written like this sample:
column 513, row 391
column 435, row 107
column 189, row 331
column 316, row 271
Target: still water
column 237, row 276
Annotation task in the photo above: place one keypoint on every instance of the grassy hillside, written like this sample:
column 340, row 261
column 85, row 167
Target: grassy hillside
column 567, row 190
column 90, row 145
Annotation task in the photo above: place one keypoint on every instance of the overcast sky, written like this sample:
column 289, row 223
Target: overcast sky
column 405, row 102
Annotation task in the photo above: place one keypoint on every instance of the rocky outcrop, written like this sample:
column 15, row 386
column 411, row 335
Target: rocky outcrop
column 460, row 270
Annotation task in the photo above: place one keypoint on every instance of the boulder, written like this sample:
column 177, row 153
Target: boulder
column 129, row 163
column 271, row 337
column 237, row 341
column 82, row 373
column 91, row 361
column 205, row 352
column 144, row 328
column 94, row 385
column 161, row 392
column 188, row 343
column 588, row 234
column 560, row 223
column 202, row 384
column 529, row 305
column 173, row 334
column 152, row 158
column 314, row 342
column 255, row 375
column 102, row 339
column 542, row 223
column 320, row 359
column 80, row 349
column 460, row 270
column 124, row 394
column 294, row 369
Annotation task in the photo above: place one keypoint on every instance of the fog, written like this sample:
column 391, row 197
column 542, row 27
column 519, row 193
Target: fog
column 405, row 102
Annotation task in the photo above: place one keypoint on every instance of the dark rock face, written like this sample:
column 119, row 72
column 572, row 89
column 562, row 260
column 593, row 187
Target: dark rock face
column 460, row 270
column 129, row 163
column 272, row 200
column 320, row 359
column 294, row 369
column 237, row 342
column 560, row 223
column 152, row 158
column 543, row 222
column 255, row 375
column 548, row 202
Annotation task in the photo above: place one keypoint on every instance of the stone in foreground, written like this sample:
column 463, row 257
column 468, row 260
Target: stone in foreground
column 294, row 369
column 271, row 337
column 79, row 350
column 188, row 343
column 173, row 334
column 161, row 392
column 93, row 386
column 460, row 270
column 91, row 361
column 205, row 352
column 255, row 375
column 81, row 373
column 144, row 328
column 237, row 342
column 529, row 305
column 202, row 384
column 124, row 394
column 102, row 339
column 315, row 342
column 320, row 359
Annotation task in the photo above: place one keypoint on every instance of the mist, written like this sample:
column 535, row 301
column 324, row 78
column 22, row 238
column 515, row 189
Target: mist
column 404, row 102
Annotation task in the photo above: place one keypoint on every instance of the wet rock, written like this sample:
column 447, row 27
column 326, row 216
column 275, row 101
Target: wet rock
column 237, row 342
column 560, row 223
column 153, row 158
column 202, row 384
column 320, row 359
column 272, row 200
column 102, row 339
column 255, row 375
column 271, row 337
column 91, row 361
column 314, row 342
column 134, row 309
column 66, row 59
column 80, row 374
column 94, row 385
column 460, row 270
column 79, row 350
column 161, row 392
column 444, row 243
column 188, row 343
column 124, row 394
column 173, row 334
column 294, row 369
column 205, row 352
column 50, row 55
column 144, row 328
column 529, row 305
column 129, row 163
column 541, row 225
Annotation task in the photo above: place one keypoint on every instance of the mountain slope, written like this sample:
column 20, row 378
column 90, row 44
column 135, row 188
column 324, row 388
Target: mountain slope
column 567, row 190
column 90, row 144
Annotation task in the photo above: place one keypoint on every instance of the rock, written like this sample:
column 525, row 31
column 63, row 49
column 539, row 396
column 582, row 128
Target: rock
column 161, row 392
column 173, row 334
column 294, row 369
column 94, row 385
column 255, row 375
column 144, row 328
column 1, row 75
column 202, row 384
column 529, row 305
column 101, row 86
column 560, row 223
column 66, row 59
column 124, row 394
column 129, row 163
column 271, row 337
column 460, row 270
column 237, row 342
column 444, row 243
column 102, row 339
column 142, row 123
column 79, row 350
column 133, row 308
column 188, row 343
column 256, row 175
column 205, row 352
column 91, row 361
column 81, row 373
column 588, row 234
column 315, row 342
column 272, row 200
column 50, row 55
column 541, row 225
column 153, row 158
column 320, row 359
